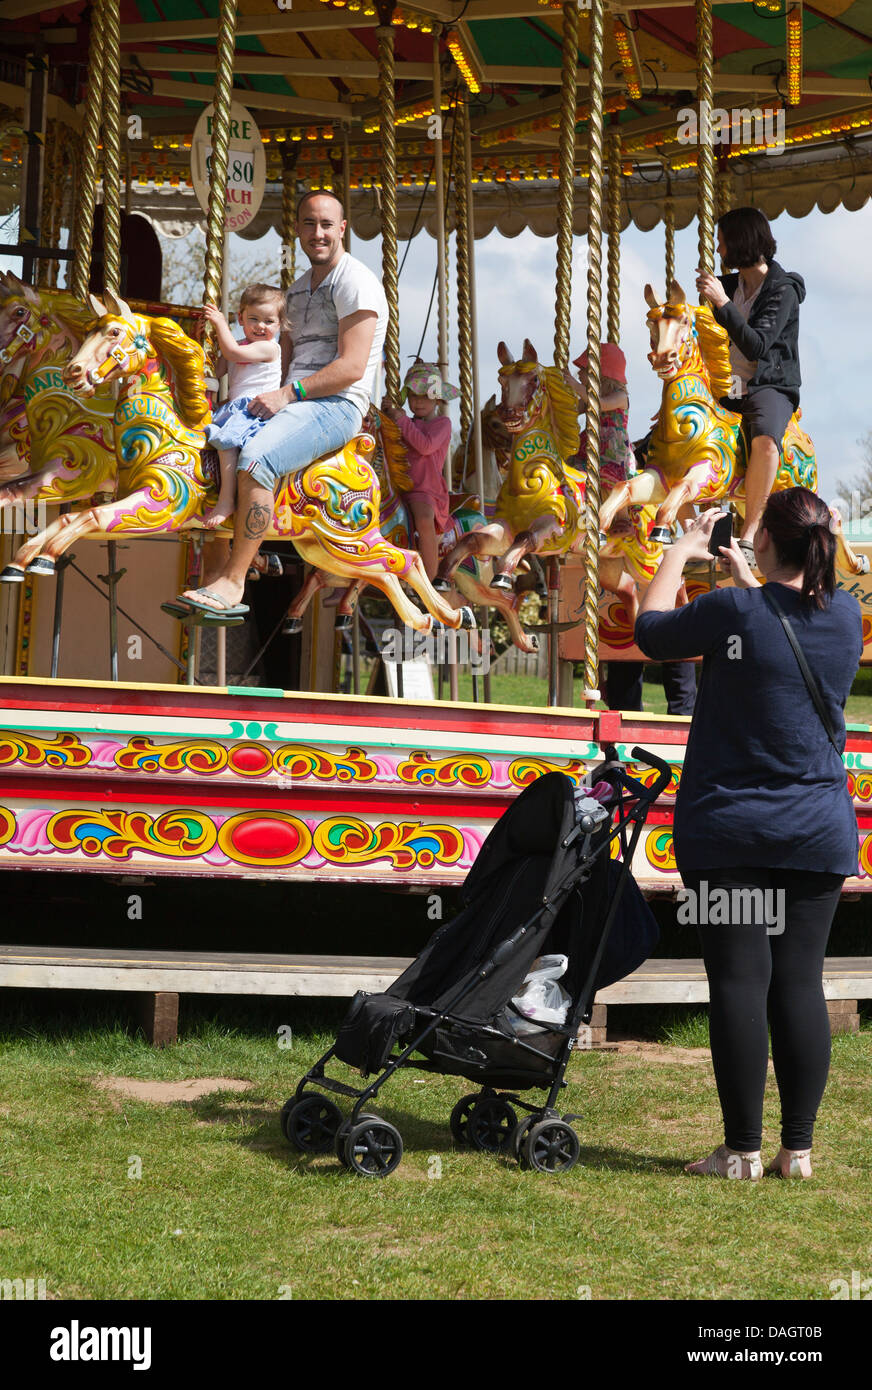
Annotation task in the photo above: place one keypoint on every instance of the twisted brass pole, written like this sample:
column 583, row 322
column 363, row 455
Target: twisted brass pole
column 613, row 313
column 669, row 223
column 724, row 191
column 289, row 228
column 594, row 315
column 464, row 317
column 566, row 185
column 706, row 154
column 216, row 213
column 83, row 218
column 111, row 146
column 385, row 36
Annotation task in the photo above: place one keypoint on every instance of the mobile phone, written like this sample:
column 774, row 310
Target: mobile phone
column 722, row 534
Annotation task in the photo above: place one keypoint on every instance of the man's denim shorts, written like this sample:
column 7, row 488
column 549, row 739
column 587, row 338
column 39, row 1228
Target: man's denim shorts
column 299, row 434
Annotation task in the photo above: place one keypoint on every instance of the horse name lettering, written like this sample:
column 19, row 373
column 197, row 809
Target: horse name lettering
column 689, row 389
column 144, row 405
column 43, row 381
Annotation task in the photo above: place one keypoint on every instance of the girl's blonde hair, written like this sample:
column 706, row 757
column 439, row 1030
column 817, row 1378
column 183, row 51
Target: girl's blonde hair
column 262, row 294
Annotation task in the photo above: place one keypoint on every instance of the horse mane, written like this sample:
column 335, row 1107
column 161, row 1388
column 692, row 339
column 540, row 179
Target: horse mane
column 714, row 345
column 185, row 359
column 564, row 412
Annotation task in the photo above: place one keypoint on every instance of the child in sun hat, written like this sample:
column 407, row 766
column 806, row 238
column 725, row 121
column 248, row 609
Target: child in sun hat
column 617, row 460
column 427, row 437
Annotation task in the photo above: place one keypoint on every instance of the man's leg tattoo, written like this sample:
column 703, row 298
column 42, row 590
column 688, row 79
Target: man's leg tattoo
column 257, row 519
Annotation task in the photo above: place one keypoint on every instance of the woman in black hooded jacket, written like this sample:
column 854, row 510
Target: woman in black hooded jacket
column 759, row 308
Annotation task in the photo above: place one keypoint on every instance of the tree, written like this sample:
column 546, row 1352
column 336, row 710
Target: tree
column 856, row 492
column 184, row 263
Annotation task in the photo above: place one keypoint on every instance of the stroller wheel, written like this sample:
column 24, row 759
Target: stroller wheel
column 459, row 1120
column 373, row 1148
column 491, row 1125
column 311, row 1123
column 550, row 1147
column 519, row 1134
column 342, row 1134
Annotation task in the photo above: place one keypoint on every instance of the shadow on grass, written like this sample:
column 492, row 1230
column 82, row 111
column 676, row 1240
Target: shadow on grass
column 419, row 1135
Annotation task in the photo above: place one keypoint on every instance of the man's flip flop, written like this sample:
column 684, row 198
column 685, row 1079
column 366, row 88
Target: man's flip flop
column 199, row 617
column 218, row 609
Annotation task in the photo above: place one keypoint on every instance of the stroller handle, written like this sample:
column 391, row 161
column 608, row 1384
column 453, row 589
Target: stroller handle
column 649, row 794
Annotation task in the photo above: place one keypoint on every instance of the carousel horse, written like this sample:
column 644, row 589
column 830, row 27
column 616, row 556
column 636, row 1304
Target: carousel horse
column 697, row 450
column 330, row 510
column 63, row 443
column 540, row 504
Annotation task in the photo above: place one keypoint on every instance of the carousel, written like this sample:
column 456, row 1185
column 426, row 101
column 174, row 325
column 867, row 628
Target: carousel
column 123, row 749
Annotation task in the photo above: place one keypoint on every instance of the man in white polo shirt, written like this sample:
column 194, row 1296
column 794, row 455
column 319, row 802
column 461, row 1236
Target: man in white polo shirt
column 338, row 317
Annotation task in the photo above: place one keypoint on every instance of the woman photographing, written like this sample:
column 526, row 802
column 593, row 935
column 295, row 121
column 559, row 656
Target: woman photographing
column 763, row 810
column 759, row 308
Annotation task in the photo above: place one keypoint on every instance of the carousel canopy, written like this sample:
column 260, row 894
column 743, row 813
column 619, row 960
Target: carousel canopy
column 792, row 114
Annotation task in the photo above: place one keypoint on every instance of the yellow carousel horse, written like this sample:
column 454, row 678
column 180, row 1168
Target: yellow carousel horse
column 330, row 510
column 540, row 507
column 53, row 446
column 697, row 450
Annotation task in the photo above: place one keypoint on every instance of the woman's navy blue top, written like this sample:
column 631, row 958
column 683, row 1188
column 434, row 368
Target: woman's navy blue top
column 762, row 786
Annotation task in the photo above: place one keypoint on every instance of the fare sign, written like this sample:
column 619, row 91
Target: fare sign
column 246, row 166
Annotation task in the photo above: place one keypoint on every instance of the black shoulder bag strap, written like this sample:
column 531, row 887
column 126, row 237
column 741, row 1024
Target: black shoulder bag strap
column 813, row 687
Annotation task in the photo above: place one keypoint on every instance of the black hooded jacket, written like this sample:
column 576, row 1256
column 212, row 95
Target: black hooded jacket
column 771, row 336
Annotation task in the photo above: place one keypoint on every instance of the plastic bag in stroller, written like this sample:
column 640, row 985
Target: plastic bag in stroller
column 544, row 884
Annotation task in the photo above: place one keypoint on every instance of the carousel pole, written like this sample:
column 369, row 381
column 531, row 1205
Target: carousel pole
column 465, row 136
column 439, row 185
column 669, row 224
column 706, row 155
column 560, row 673
column 112, row 243
column 289, row 219
column 215, row 284
column 217, row 206
column 111, row 147
column 464, row 339
column 442, row 308
column 613, row 312
column 385, row 38
column 83, row 216
column 594, row 314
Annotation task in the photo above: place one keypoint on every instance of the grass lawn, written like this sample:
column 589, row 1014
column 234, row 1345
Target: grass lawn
column 225, row 1210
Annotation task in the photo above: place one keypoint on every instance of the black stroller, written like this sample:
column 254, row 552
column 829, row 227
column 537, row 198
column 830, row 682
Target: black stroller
column 544, row 881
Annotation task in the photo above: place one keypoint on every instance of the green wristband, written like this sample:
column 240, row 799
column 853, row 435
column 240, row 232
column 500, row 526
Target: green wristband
column 298, row 387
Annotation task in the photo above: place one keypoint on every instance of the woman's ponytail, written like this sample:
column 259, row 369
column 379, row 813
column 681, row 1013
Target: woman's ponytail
column 799, row 523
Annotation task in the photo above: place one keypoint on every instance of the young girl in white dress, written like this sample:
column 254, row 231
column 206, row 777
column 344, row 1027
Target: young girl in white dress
column 253, row 365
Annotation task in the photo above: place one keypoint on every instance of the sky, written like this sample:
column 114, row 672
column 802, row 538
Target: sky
column 515, row 299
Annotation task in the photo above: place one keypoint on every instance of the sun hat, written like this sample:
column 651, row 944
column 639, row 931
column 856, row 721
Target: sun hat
column 425, row 379
column 613, row 363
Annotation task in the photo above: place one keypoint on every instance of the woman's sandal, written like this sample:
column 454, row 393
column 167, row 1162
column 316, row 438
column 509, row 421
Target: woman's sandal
column 728, row 1163
column 791, row 1163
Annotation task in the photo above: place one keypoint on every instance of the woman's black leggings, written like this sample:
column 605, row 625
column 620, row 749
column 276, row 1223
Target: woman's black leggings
column 764, row 951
